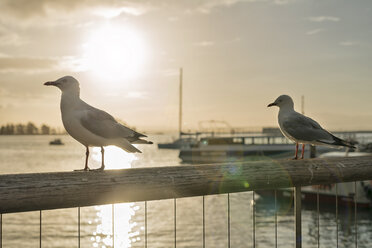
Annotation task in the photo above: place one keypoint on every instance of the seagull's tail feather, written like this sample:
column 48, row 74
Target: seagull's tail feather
column 338, row 142
column 141, row 141
column 127, row 146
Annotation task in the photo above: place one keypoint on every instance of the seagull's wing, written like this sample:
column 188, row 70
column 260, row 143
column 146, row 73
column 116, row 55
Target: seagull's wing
column 103, row 124
column 304, row 128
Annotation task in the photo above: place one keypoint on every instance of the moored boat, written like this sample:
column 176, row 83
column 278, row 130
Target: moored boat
column 240, row 148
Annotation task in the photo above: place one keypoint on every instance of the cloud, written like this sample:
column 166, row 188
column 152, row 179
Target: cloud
column 137, row 94
column 348, row 43
column 38, row 64
column 204, row 43
column 207, row 6
column 324, row 19
column 63, row 12
column 170, row 72
column 25, row 64
column 283, row 2
column 314, row 31
column 111, row 12
column 10, row 38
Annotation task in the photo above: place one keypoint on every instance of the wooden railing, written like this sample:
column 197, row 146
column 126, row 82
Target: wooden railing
column 42, row 191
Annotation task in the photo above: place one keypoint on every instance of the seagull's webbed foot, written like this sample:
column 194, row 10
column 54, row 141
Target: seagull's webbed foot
column 85, row 169
column 102, row 168
column 294, row 158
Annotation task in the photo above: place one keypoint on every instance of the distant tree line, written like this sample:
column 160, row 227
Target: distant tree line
column 27, row 129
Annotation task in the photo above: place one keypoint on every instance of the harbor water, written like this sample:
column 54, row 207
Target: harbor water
column 32, row 154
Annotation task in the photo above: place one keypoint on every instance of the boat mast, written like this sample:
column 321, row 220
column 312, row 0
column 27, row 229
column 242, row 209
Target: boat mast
column 302, row 104
column 180, row 106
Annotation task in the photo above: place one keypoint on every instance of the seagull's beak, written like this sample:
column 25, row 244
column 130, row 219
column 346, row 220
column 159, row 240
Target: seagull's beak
column 272, row 104
column 50, row 83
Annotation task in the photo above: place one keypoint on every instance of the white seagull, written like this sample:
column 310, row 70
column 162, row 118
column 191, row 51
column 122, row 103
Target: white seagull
column 91, row 126
column 301, row 129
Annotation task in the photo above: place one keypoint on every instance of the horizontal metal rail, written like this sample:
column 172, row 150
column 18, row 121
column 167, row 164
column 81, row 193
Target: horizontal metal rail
column 42, row 191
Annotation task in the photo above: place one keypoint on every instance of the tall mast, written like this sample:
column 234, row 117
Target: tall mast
column 302, row 104
column 180, row 106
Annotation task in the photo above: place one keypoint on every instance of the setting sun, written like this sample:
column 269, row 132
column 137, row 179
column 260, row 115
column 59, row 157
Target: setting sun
column 114, row 52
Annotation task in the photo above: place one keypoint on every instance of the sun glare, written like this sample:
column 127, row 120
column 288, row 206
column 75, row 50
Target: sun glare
column 115, row 52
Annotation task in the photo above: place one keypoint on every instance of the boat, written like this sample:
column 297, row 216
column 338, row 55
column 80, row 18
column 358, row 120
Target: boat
column 56, row 142
column 179, row 143
column 327, row 194
column 214, row 149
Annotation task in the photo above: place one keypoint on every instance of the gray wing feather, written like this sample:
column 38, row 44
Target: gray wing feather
column 304, row 128
column 103, row 124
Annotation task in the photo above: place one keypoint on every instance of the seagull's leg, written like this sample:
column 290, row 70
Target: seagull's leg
column 86, row 168
column 295, row 157
column 302, row 151
column 103, row 158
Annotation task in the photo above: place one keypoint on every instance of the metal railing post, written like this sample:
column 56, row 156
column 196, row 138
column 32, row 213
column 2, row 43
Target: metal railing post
column 297, row 207
column 203, row 221
column 175, row 222
column 228, row 222
column 79, row 235
column 355, row 214
column 145, row 224
column 40, row 229
column 254, row 219
column 113, row 225
column 1, row 230
column 276, row 218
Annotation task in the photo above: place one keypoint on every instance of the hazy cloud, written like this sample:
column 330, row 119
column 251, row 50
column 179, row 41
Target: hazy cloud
column 323, row 19
column 314, row 31
column 36, row 64
column 348, row 43
column 137, row 94
column 8, row 37
column 283, row 2
column 65, row 12
column 170, row 72
column 206, row 7
column 204, row 43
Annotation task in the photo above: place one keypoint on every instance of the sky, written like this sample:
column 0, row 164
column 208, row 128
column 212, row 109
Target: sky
column 237, row 56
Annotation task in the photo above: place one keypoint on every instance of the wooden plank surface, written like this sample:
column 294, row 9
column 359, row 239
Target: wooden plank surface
column 41, row 191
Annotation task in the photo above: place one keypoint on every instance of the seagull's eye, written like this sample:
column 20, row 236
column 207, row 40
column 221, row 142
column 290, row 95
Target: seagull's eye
column 64, row 80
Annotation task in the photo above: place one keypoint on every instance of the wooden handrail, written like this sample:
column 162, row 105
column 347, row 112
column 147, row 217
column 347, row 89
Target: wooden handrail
column 42, row 191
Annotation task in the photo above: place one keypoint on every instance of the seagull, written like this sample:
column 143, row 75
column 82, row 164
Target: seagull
column 301, row 129
column 90, row 126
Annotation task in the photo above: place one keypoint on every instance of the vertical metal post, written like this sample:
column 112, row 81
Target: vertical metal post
column 276, row 219
column 40, row 230
column 203, row 221
column 254, row 220
column 1, row 230
column 336, row 215
column 297, row 205
column 228, row 221
column 312, row 151
column 79, row 227
column 180, row 106
column 317, row 211
column 113, row 225
column 175, row 222
column 355, row 214
column 303, row 104
column 145, row 224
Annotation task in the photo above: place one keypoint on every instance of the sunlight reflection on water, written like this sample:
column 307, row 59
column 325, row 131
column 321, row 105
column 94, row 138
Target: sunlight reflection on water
column 115, row 158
